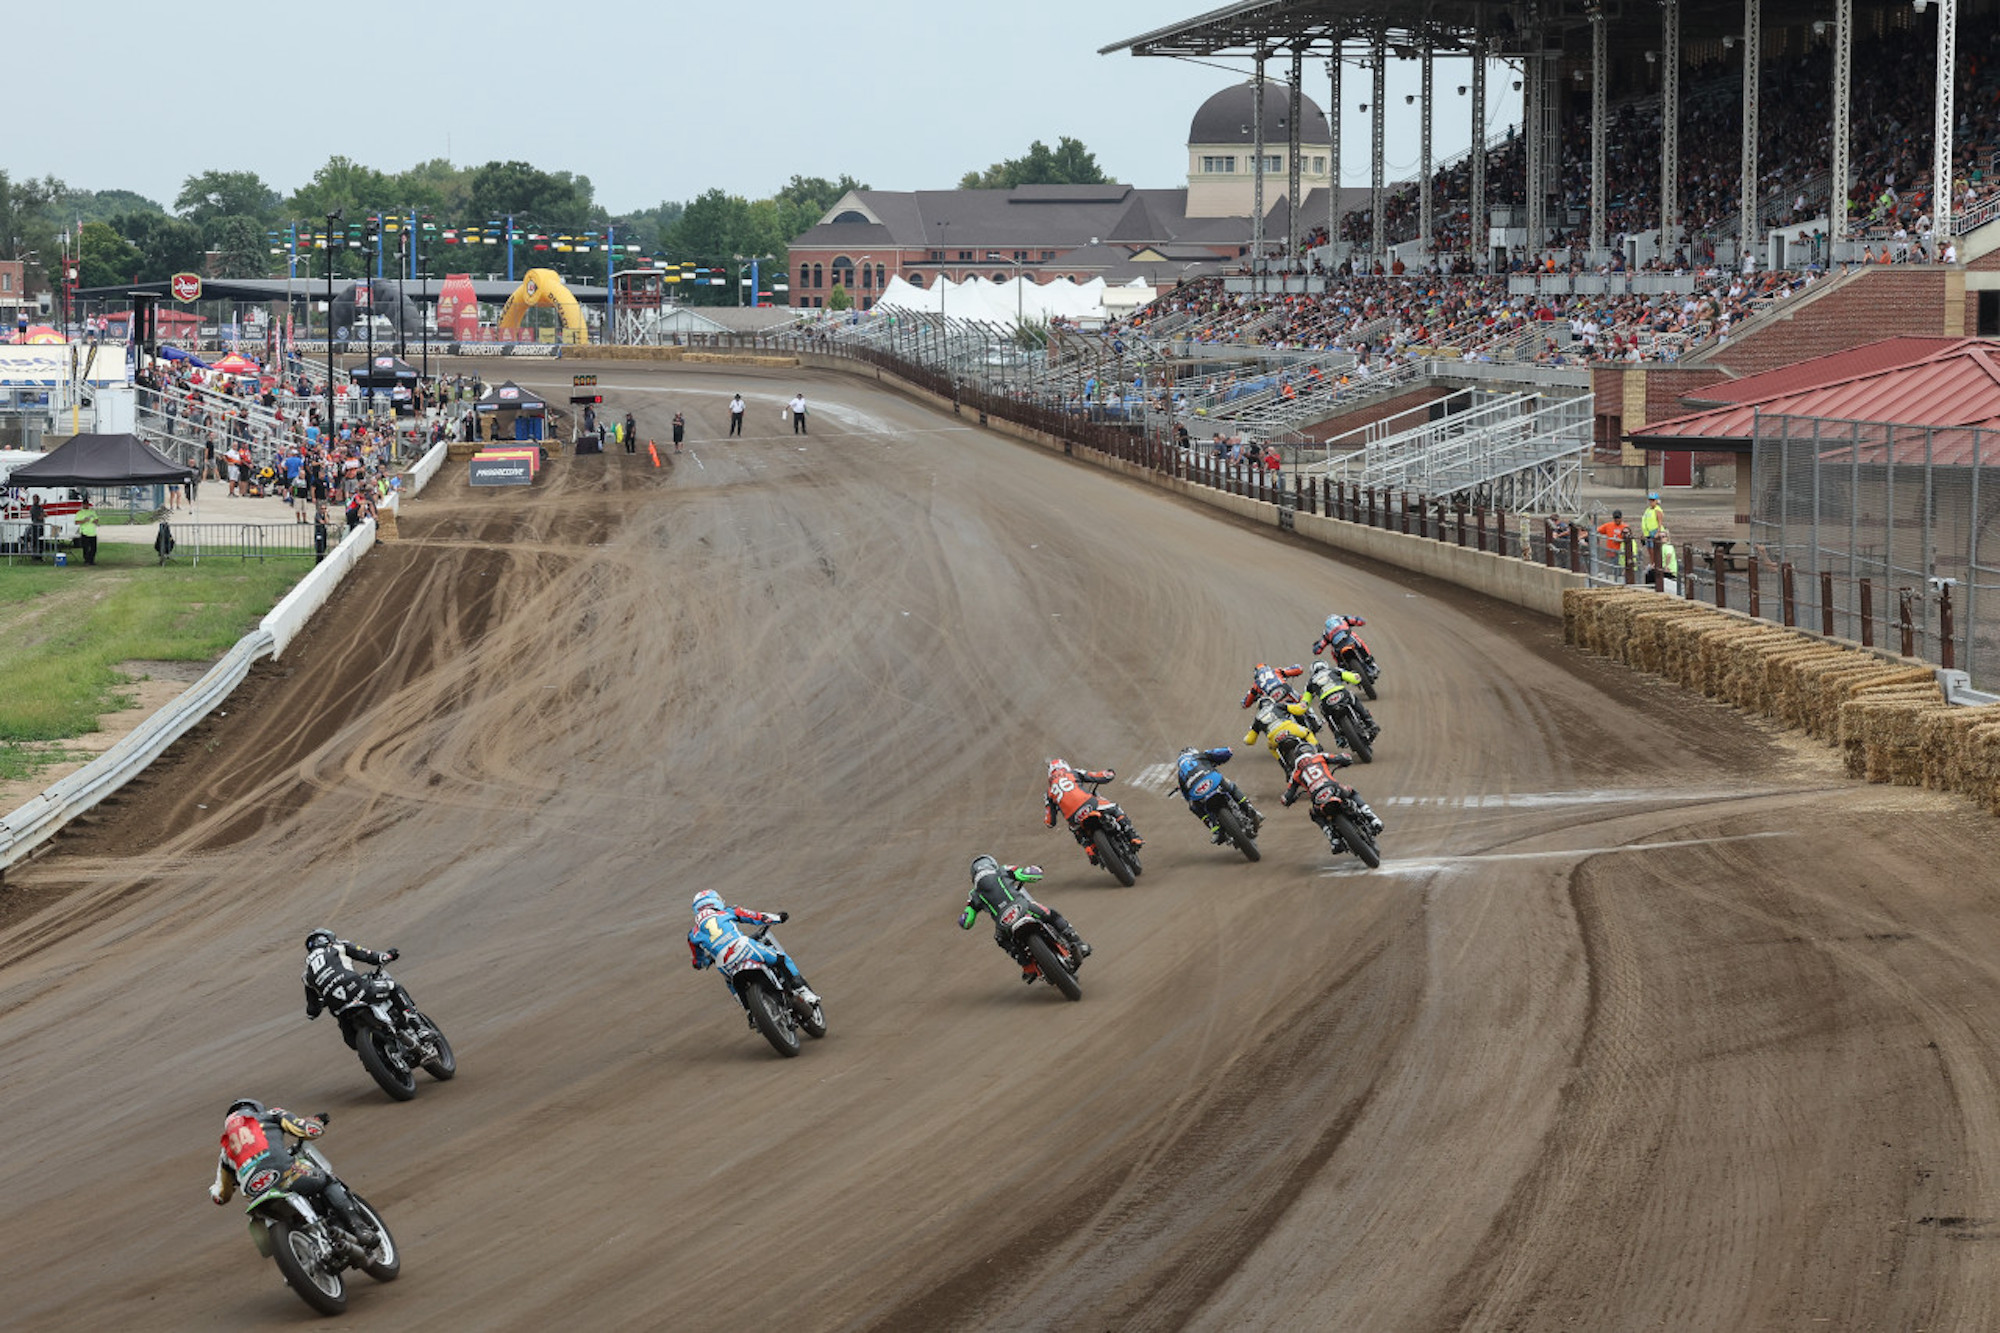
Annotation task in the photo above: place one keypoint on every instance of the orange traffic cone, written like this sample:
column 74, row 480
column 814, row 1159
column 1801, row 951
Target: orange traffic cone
column 653, row 449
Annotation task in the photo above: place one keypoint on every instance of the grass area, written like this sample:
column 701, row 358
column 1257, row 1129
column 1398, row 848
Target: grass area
column 63, row 632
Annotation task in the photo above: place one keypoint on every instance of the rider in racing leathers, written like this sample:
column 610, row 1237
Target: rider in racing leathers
column 1284, row 730
column 995, row 887
column 1069, row 798
column 715, row 927
column 333, row 983
column 257, row 1147
column 1344, row 678
column 1312, row 766
column 1268, row 682
column 1190, row 764
column 1334, row 625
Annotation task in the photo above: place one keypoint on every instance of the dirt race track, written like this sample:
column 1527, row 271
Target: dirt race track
column 1650, row 1019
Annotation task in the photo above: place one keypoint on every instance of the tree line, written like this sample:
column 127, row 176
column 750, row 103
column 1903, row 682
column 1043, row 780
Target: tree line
column 120, row 236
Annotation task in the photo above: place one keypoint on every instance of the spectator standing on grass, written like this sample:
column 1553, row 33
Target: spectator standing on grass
column 736, row 414
column 37, row 517
column 86, row 531
column 799, row 413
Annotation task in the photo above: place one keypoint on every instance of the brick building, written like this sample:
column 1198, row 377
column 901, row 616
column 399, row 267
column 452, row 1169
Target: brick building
column 1080, row 232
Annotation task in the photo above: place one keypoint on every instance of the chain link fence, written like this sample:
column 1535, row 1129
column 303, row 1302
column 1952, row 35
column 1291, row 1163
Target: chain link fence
column 1882, row 525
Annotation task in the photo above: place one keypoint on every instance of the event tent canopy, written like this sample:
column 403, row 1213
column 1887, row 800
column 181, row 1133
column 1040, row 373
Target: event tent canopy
column 510, row 397
column 384, row 372
column 998, row 302
column 101, row 460
column 237, row 364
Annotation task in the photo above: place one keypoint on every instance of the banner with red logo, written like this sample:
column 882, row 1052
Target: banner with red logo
column 456, row 303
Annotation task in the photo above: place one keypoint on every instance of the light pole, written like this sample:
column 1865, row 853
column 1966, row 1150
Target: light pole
column 1019, row 279
column 332, row 221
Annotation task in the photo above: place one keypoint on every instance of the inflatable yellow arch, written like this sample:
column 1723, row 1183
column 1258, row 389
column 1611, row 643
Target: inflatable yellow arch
column 541, row 286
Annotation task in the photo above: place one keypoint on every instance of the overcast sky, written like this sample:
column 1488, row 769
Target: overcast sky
column 651, row 101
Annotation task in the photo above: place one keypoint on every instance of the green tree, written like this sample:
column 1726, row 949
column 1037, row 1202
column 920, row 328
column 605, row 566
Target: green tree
column 243, row 250
column 165, row 245
column 106, row 259
column 1070, row 163
column 345, row 186
column 837, row 299
column 549, row 199
column 435, row 187
column 222, row 194
column 30, row 221
column 104, row 205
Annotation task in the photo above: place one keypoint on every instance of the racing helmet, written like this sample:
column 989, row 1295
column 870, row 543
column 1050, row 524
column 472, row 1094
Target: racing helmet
column 1267, row 713
column 1334, row 622
column 245, row 1106
column 984, row 865
column 318, row 939
column 707, row 902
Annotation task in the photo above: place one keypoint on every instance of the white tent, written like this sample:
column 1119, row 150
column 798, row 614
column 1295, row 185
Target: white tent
column 997, row 303
column 1123, row 300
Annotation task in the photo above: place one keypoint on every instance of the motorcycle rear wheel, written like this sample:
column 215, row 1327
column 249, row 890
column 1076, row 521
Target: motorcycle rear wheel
column 1357, row 739
column 400, row 1087
column 294, row 1251
column 765, row 1013
column 1357, row 842
column 813, row 1021
column 385, row 1261
column 1108, row 857
column 1052, row 968
column 446, row 1063
column 1231, row 823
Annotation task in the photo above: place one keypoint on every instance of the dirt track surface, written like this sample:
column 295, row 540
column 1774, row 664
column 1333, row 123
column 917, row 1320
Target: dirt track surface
column 1650, row 1019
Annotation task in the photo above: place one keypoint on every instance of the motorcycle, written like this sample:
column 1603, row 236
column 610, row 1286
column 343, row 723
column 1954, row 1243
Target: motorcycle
column 394, row 1040
column 1209, row 796
column 1329, row 692
column 753, row 966
column 1104, row 842
column 310, row 1243
column 1350, row 652
column 1034, row 944
column 1347, row 826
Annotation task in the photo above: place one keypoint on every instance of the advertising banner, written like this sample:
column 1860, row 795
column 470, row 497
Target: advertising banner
column 456, row 305
column 488, row 471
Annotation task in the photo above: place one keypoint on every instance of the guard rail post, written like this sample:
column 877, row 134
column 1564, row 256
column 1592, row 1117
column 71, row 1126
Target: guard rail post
column 1946, row 651
column 1423, row 516
column 1718, row 564
column 1403, row 503
column 1575, row 551
column 1904, row 595
column 1371, row 506
column 1867, row 613
column 1756, row 593
column 1500, row 531
column 1479, row 522
column 1630, row 557
column 1461, row 525
column 1826, row 602
column 1788, row 606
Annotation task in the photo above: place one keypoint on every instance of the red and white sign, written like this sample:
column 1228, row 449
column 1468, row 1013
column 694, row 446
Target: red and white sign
column 457, row 303
column 187, row 286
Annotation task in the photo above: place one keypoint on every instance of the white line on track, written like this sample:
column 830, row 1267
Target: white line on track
column 1434, row 865
column 1157, row 779
column 1544, row 800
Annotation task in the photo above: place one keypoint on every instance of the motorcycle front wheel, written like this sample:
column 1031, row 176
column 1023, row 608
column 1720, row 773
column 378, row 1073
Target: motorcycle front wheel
column 1357, row 842
column 298, row 1259
column 400, row 1085
column 766, row 1012
column 1052, row 968
column 1108, row 857
column 1231, row 823
column 385, row 1261
column 446, row 1063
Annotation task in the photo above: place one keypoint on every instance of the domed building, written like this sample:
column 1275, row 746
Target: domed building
column 1222, row 150
column 1161, row 235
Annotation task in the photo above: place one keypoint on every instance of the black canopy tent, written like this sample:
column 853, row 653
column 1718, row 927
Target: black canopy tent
column 102, row 460
column 508, row 396
column 384, row 372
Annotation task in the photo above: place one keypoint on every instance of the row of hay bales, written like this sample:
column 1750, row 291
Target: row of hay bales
column 1888, row 716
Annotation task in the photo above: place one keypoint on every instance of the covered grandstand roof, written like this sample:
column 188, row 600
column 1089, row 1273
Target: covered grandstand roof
column 1952, row 382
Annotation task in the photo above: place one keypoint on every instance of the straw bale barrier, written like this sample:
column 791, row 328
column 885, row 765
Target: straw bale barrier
column 1886, row 715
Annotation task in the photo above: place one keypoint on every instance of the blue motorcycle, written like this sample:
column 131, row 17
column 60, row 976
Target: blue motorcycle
column 1210, row 797
column 767, row 984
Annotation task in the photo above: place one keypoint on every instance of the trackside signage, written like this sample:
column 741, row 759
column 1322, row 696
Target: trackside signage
column 502, row 472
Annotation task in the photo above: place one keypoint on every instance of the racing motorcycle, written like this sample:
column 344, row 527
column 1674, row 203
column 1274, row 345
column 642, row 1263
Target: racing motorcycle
column 1040, row 951
column 1329, row 692
column 754, row 968
column 1208, row 795
column 394, row 1040
column 1104, row 842
column 1348, row 824
column 1350, row 652
column 311, row 1244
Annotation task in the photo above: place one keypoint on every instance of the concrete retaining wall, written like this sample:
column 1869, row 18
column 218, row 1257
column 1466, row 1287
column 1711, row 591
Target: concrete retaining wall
column 1886, row 715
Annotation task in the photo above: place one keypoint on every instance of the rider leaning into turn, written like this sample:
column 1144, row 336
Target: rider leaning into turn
column 996, row 887
column 1334, row 625
column 1268, row 682
column 1190, row 764
column 257, row 1154
column 1312, row 766
column 1344, row 678
column 1068, row 797
column 715, row 927
column 332, row 983
column 1284, row 729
